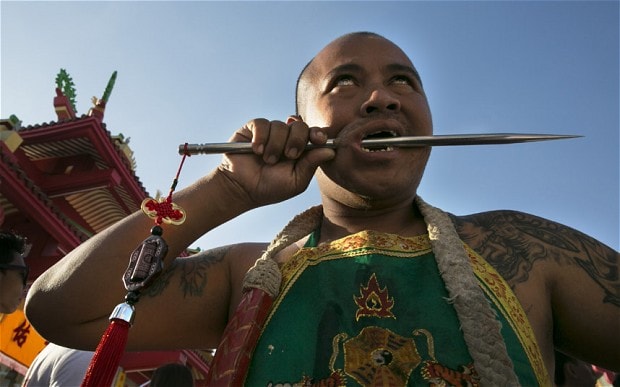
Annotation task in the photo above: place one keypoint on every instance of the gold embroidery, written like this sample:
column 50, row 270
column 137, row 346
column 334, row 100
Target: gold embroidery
column 380, row 357
column 374, row 301
column 370, row 242
column 430, row 342
column 439, row 375
column 335, row 349
column 362, row 243
column 498, row 290
column 336, row 379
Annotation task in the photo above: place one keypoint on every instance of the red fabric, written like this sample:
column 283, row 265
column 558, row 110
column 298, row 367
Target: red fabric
column 232, row 358
column 107, row 357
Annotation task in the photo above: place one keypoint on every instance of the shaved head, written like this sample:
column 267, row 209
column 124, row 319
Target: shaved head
column 307, row 76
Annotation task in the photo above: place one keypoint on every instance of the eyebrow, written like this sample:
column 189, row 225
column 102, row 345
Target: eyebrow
column 353, row 68
column 343, row 68
column 396, row 67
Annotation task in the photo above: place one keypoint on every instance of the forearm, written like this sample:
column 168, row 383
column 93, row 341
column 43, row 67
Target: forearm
column 82, row 289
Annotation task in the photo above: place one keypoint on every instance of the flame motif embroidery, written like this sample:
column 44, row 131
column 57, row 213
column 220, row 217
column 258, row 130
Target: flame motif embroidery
column 373, row 301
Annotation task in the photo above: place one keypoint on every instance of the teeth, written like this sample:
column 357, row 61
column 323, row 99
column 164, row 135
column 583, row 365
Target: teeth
column 386, row 149
column 378, row 135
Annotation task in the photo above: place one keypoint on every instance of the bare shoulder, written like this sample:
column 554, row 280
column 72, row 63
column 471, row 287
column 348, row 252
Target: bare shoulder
column 514, row 241
column 567, row 282
column 203, row 288
column 196, row 271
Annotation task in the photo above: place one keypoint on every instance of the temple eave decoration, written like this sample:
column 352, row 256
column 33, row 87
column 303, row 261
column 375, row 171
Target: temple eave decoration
column 63, row 181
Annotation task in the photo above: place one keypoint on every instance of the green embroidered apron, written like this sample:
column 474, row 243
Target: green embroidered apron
column 371, row 309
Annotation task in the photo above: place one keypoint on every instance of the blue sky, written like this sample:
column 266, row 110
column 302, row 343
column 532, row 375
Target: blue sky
column 196, row 71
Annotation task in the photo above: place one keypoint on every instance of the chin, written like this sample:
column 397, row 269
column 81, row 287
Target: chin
column 375, row 197
column 365, row 191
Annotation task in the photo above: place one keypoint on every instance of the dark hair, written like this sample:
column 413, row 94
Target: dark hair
column 302, row 74
column 172, row 375
column 11, row 243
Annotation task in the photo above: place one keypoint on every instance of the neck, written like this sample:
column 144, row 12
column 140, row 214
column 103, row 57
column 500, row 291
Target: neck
column 403, row 219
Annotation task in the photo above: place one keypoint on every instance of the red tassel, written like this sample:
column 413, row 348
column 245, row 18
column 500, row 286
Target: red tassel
column 109, row 352
column 107, row 358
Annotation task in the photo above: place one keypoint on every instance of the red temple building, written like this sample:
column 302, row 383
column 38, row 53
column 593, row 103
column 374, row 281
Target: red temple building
column 60, row 183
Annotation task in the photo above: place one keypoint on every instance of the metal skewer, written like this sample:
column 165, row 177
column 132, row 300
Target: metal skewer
column 401, row 142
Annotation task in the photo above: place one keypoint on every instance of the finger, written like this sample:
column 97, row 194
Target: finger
column 297, row 139
column 318, row 136
column 276, row 143
column 260, row 134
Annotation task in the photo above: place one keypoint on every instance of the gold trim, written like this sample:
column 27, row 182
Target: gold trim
column 370, row 242
column 498, row 290
column 361, row 243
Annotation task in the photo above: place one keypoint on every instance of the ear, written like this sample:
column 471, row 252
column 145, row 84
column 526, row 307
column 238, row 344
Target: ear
column 293, row 118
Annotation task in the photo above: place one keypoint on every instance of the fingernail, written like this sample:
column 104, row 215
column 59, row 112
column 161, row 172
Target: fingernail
column 292, row 153
column 272, row 159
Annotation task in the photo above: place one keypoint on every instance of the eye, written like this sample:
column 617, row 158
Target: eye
column 406, row 83
column 402, row 80
column 344, row 80
column 341, row 83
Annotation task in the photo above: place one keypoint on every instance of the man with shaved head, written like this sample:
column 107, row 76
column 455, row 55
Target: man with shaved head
column 372, row 287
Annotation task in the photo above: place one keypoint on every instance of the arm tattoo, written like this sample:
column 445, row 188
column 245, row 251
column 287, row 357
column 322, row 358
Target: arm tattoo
column 512, row 242
column 193, row 272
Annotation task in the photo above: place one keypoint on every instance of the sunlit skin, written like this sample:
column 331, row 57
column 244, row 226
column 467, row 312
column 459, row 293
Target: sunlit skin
column 357, row 86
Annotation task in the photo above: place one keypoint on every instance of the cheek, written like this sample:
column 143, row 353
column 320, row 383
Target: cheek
column 421, row 114
column 329, row 112
column 311, row 118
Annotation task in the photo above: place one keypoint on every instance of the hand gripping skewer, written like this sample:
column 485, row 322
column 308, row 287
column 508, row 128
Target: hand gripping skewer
column 401, row 142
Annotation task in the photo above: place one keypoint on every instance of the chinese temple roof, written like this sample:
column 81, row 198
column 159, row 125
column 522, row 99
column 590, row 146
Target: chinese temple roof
column 63, row 181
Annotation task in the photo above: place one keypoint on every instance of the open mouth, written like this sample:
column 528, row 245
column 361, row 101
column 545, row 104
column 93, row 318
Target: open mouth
column 372, row 142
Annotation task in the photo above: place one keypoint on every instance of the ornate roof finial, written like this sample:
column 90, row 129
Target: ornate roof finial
column 99, row 103
column 65, row 84
column 109, row 87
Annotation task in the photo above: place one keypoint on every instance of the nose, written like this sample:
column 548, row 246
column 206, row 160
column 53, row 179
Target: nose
column 380, row 100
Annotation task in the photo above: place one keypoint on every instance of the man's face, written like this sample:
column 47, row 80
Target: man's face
column 363, row 87
column 12, row 285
